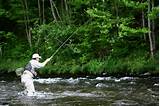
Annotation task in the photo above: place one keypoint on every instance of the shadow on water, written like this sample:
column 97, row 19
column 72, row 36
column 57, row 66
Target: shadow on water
column 99, row 91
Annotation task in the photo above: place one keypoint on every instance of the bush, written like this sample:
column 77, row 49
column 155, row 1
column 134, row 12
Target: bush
column 94, row 66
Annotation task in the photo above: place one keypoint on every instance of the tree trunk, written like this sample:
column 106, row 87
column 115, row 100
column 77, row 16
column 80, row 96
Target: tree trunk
column 67, row 11
column 66, row 7
column 143, row 24
column 149, row 33
column 30, row 37
column 0, row 51
column 117, row 16
column 43, row 13
column 62, row 9
column 54, row 16
column 27, row 29
column 56, row 10
column 153, row 29
column 26, row 20
column 39, row 10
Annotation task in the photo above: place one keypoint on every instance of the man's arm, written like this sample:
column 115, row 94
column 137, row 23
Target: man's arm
column 40, row 65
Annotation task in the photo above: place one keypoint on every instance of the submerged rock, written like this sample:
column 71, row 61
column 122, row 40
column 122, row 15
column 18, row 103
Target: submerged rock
column 146, row 74
column 117, row 80
column 124, row 102
column 72, row 81
column 103, row 78
column 156, row 85
column 101, row 85
column 126, row 78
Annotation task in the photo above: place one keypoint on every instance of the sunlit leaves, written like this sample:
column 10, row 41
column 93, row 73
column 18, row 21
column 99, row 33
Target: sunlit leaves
column 98, row 14
column 154, row 14
column 134, row 4
column 125, row 30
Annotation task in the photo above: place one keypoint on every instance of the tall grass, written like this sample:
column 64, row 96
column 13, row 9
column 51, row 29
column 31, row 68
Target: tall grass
column 131, row 65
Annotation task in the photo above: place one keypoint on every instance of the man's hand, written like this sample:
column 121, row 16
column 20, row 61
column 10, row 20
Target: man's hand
column 48, row 59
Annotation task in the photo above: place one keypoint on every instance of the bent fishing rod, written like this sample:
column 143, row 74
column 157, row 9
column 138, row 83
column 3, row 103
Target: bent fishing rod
column 66, row 41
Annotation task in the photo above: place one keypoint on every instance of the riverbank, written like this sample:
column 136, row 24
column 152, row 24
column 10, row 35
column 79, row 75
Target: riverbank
column 128, row 66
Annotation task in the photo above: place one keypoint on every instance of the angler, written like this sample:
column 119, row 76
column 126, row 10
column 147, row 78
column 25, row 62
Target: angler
column 30, row 72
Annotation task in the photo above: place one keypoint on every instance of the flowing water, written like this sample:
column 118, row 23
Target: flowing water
column 99, row 91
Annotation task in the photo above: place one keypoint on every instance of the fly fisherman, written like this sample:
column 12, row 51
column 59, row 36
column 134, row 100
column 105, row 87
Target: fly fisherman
column 30, row 72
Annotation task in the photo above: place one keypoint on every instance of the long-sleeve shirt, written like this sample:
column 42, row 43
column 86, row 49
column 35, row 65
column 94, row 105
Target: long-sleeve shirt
column 35, row 64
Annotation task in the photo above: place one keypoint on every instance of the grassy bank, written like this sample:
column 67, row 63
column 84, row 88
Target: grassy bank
column 110, row 66
column 131, row 65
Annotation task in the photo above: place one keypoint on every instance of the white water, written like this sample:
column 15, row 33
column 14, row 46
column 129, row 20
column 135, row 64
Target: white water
column 102, row 91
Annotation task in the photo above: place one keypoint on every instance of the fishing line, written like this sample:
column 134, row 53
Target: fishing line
column 67, row 40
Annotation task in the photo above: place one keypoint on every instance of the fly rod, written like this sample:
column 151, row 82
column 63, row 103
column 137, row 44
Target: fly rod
column 66, row 41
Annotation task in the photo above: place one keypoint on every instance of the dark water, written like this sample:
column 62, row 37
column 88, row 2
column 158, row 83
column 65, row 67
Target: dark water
column 100, row 91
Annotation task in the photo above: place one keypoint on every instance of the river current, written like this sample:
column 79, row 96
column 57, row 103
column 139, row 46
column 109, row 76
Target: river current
column 83, row 91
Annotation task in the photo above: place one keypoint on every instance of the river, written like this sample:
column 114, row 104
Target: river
column 83, row 91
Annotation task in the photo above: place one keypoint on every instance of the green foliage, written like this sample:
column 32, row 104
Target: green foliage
column 154, row 13
column 94, row 66
column 11, row 65
column 50, row 37
column 107, row 36
column 132, row 65
column 125, row 31
column 3, row 12
column 78, row 3
column 134, row 4
column 114, row 66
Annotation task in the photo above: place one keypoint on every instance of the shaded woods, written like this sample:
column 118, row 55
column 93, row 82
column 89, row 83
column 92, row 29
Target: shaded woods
column 116, row 37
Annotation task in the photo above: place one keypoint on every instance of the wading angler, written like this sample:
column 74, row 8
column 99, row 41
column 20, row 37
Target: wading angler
column 30, row 72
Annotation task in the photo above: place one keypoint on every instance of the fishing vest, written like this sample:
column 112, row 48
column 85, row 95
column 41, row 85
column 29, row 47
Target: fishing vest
column 29, row 68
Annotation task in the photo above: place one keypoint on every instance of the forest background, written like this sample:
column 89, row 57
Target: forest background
column 110, row 37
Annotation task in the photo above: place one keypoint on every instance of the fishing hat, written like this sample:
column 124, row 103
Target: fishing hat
column 36, row 56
